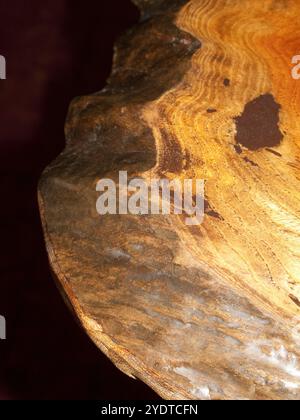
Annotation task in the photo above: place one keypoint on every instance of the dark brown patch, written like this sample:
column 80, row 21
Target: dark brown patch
column 210, row 211
column 238, row 149
column 211, row 110
column 226, row 82
column 295, row 300
column 247, row 160
column 258, row 126
column 274, row 152
column 172, row 159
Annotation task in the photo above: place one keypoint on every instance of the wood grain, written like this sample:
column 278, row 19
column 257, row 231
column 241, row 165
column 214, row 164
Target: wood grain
column 200, row 89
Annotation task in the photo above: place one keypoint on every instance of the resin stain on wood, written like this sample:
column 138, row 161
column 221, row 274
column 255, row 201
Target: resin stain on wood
column 258, row 126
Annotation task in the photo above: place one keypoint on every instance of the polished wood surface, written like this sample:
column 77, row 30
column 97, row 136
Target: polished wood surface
column 200, row 89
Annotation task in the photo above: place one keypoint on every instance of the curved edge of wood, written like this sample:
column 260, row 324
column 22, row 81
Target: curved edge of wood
column 120, row 357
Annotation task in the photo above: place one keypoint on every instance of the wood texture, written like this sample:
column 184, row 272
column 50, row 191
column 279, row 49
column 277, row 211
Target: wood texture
column 199, row 89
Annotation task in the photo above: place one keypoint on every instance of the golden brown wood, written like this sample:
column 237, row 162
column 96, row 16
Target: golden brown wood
column 200, row 89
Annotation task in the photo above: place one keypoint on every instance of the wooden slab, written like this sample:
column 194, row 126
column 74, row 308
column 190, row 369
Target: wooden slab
column 200, row 89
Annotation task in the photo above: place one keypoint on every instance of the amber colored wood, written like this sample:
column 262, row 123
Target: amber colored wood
column 200, row 89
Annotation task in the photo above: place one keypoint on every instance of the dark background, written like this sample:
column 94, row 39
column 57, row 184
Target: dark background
column 55, row 50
